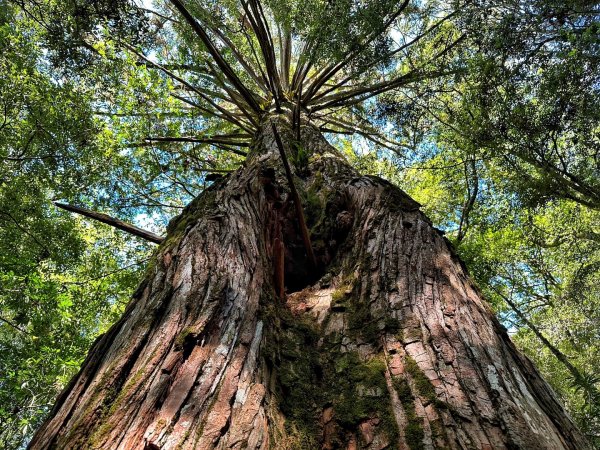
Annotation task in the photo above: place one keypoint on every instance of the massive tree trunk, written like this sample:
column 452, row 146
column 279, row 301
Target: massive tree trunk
column 385, row 344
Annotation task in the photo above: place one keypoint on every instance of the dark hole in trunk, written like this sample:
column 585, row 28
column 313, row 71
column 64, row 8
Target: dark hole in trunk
column 189, row 342
column 326, row 238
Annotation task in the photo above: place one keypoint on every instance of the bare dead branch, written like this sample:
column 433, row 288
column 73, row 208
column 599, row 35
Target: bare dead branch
column 216, row 139
column 113, row 222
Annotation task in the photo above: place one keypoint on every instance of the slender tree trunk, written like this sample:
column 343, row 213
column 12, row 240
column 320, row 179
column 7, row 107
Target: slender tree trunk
column 386, row 344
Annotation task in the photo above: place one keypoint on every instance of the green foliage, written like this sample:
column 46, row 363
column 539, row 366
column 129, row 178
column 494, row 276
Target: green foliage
column 61, row 281
column 67, row 26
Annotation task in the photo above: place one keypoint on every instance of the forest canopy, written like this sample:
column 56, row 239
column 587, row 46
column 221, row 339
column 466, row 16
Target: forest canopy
column 485, row 112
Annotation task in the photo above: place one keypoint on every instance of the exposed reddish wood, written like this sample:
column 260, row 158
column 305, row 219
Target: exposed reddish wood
column 296, row 198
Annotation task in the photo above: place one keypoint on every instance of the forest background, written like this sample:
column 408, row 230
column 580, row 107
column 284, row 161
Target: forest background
column 502, row 150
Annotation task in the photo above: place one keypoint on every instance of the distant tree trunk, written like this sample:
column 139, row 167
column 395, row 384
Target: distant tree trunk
column 386, row 344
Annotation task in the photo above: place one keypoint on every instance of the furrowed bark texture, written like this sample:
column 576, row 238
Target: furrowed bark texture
column 387, row 344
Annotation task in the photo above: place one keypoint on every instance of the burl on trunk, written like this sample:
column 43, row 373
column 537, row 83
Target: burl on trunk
column 385, row 344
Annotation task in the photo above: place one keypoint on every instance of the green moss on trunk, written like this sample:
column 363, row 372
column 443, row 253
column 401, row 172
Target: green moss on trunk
column 313, row 373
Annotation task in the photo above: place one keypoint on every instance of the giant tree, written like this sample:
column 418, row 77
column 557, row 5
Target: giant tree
column 294, row 303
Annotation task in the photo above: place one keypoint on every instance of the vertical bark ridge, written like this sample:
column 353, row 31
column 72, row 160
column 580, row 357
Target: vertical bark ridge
column 465, row 350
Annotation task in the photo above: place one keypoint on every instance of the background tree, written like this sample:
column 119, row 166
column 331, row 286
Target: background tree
column 61, row 281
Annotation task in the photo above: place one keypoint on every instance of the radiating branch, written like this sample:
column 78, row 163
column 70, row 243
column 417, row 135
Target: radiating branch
column 578, row 377
column 227, row 115
column 223, row 145
column 258, row 22
column 285, row 43
column 223, row 113
column 315, row 94
column 259, row 80
column 331, row 70
column 360, row 94
column 226, row 69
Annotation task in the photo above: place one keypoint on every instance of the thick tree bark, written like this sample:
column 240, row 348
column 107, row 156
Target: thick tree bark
column 386, row 344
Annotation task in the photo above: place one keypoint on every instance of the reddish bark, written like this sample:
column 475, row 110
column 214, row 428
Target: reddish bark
column 389, row 345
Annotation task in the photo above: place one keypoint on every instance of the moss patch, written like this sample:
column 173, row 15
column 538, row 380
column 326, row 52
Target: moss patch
column 414, row 429
column 413, row 432
column 358, row 391
column 291, row 349
column 340, row 297
column 361, row 322
column 112, row 402
column 181, row 337
column 392, row 325
column 312, row 373
column 422, row 383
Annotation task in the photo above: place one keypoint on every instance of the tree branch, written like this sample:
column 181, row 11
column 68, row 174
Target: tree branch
column 259, row 26
column 578, row 377
column 315, row 95
column 296, row 198
column 16, row 327
column 330, row 71
column 214, row 52
column 113, row 222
